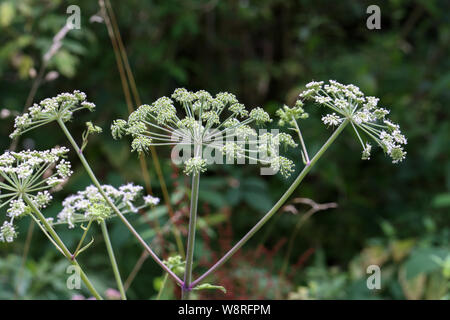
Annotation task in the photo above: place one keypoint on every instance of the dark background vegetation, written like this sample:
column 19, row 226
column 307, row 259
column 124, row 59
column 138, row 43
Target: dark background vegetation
column 264, row 51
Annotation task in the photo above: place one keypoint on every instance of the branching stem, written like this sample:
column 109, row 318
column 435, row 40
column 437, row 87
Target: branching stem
column 111, row 204
column 276, row 207
column 62, row 247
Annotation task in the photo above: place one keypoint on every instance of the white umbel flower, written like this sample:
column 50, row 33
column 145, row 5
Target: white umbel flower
column 194, row 166
column 198, row 123
column 89, row 204
column 7, row 232
column 349, row 102
column 366, row 152
column 16, row 208
column 60, row 107
column 150, row 200
column 331, row 119
column 23, row 178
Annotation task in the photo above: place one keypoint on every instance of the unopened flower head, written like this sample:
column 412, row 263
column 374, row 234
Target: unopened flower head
column 347, row 102
column 288, row 116
column 200, row 120
column 89, row 204
column 27, row 175
column 176, row 264
column 60, row 107
column 91, row 128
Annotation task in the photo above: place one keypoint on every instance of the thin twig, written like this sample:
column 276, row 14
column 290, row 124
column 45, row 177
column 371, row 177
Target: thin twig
column 315, row 207
column 112, row 22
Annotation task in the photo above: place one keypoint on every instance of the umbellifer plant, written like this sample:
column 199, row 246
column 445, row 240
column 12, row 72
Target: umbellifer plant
column 199, row 125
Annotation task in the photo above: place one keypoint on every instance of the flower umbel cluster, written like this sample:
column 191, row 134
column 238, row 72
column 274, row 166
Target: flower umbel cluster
column 219, row 123
column 89, row 204
column 364, row 114
column 60, row 107
column 27, row 174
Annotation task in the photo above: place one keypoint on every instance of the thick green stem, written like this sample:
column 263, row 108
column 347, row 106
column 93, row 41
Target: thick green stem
column 111, row 204
column 113, row 261
column 61, row 245
column 276, row 207
column 191, row 237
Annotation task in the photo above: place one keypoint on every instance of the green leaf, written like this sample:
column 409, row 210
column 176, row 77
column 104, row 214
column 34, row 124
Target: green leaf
column 66, row 63
column 258, row 200
column 7, row 13
column 208, row 286
column 25, row 64
column 441, row 200
column 423, row 260
column 212, row 197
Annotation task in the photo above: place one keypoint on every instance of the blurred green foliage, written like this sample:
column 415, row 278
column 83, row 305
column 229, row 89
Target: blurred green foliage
column 264, row 51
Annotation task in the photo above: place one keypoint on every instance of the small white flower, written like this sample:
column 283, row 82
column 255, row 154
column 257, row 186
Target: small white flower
column 130, row 191
column 82, row 204
column 239, row 109
column 282, row 164
column 397, row 154
column 331, row 119
column 64, row 169
column 260, row 116
column 7, row 232
column 88, row 105
column 141, row 144
column 24, row 171
column 372, row 102
column 194, row 165
column 314, row 84
column 150, row 200
column 366, row 152
column 42, row 199
column 16, row 208
column 285, row 139
column 322, row 99
column 399, row 137
column 380, row 113
column 232, row 150
column 54, row 181
column 342, row 104
column 6, row 159
column 67, row 215
column 362, row 116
